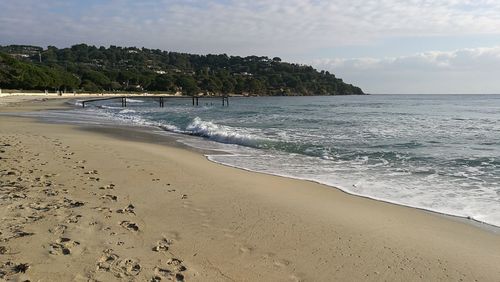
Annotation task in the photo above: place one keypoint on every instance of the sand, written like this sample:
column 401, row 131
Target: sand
column 77, row 204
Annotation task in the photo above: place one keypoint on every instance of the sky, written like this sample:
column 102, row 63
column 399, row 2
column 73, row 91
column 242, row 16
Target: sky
column 382, row 46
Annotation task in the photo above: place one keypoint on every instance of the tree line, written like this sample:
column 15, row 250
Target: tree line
column 96, row 69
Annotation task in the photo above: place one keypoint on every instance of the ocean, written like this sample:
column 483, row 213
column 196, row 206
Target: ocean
column 435, row 152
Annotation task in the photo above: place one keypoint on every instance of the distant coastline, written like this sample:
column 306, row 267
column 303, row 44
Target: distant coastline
column 91, row 69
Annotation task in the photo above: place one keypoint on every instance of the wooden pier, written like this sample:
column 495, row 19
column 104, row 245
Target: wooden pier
column 160, row 99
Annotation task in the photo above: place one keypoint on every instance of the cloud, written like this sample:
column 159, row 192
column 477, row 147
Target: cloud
column 242, row 27
column 471, row 70
column 290, row 29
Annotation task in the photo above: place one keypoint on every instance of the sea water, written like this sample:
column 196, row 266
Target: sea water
column 435, row 152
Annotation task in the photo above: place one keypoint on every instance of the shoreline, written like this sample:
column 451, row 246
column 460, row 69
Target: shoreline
column 66, row 97
column 226, row 223
column 155, row 138
column 468, row 220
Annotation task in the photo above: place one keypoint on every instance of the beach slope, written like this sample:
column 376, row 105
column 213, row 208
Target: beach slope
column 104, row 204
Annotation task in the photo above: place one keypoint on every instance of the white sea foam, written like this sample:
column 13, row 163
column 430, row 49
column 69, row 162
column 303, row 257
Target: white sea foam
column 127, row 111
column 77, row 103
column 354, row 181
column 108, row 107
column 130, row 100
column 221, row 133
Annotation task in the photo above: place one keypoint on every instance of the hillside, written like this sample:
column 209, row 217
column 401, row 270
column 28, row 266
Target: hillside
column 93, row 69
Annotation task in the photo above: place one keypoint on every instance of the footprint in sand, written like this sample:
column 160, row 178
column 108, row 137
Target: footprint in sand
column 107, row 260
column 109, row 197
column 131, row 226
column 11, row 268
column 63, row 246
column 59, row 229
column 161, row 273
column 111, row 262
column 176, row 264
column 73, row 218
column 129, row 209
column 162, row 245
column 108, row 187
column 4, row 250
column 173, row 270
column 73, row 204
column 18, row 233
column 50, row 192
column 129, row 267
column 104, row 209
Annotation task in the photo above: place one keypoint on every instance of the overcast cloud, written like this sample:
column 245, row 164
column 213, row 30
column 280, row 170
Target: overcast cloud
column 334, row 35
column 461, row 71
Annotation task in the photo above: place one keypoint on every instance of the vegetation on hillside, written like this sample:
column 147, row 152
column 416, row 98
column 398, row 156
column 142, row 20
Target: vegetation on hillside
column 89, row 68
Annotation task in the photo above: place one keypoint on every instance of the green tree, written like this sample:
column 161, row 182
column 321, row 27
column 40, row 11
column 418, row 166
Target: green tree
column 188, row 85
column 95, row 68
column 97, row 78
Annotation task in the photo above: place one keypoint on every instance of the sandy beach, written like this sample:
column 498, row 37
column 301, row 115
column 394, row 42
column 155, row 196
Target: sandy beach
column 102, row 204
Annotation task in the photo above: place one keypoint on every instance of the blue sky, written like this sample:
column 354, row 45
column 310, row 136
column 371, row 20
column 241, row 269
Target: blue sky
column 383, row 46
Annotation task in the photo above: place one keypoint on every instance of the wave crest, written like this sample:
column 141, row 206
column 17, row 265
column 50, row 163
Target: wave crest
column 130, row 100
column 221, row 133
